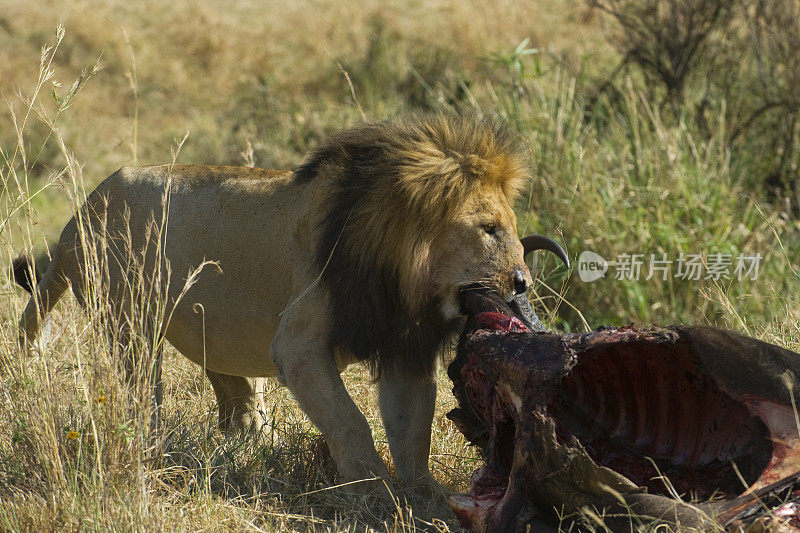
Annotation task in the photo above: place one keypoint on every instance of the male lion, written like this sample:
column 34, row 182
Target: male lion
column 358, row 255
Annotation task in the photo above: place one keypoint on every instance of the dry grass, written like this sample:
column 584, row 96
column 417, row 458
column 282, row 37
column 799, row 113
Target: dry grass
column 267, row 74
column 261, row 83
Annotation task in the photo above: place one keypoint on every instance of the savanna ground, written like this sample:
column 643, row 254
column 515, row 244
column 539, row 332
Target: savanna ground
column 654, row 127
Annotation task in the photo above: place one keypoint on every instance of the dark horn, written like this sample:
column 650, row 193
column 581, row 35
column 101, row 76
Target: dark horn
column 523, row 310
column 540, row 242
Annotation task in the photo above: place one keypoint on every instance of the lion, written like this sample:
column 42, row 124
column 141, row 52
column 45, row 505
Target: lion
column 358, row 255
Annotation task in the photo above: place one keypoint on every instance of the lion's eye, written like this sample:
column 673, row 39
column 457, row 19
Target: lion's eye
column 491, row 229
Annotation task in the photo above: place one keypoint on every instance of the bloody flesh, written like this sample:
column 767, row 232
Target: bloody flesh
column 647, row 412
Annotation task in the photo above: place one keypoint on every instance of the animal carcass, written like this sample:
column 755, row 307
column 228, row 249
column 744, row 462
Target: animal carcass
column 617, row 424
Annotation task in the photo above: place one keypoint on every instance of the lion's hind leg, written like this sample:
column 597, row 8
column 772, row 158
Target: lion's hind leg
column 44, row 296
column 136, row 347
column 134, row 338
column 141, row 354
column 240, row 401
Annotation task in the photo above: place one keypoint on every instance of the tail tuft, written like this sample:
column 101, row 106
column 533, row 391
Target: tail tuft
column 23, row 273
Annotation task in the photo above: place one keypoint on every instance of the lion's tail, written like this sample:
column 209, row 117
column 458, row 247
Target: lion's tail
column 26, row 272
column 42, row 279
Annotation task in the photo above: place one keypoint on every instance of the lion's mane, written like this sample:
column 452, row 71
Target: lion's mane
column 394, row 186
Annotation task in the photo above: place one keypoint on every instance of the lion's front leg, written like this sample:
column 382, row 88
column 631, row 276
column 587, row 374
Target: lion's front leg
column 407, row 404
column 308, row 368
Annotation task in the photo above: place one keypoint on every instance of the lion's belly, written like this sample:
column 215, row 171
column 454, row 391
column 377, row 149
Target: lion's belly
column 226, row 320
column 226, row 339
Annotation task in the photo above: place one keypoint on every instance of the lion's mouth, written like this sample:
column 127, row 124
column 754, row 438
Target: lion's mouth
column 518, row 304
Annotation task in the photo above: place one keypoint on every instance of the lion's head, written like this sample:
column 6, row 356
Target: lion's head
column 419, row 209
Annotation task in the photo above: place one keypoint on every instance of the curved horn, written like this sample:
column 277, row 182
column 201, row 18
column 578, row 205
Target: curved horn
column 540, row 242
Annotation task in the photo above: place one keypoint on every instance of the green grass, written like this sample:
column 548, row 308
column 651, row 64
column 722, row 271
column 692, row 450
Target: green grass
column 263, row 85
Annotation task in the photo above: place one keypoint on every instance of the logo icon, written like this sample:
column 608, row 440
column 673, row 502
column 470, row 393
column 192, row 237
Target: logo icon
column 591, row 266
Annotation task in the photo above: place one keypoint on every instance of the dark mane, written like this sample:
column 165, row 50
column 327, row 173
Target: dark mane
column 394, row 184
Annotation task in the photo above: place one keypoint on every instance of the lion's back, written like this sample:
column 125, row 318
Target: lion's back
column 194, row 176
column 207, row 208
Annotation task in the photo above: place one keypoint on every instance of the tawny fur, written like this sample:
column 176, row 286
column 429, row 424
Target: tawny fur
column 358, row 255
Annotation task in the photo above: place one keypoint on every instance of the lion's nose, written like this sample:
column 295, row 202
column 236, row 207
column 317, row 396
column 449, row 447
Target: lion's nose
column 520, row 284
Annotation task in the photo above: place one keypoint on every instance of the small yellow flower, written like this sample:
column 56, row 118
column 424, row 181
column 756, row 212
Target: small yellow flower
column 72, row 435
column 101, row 399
